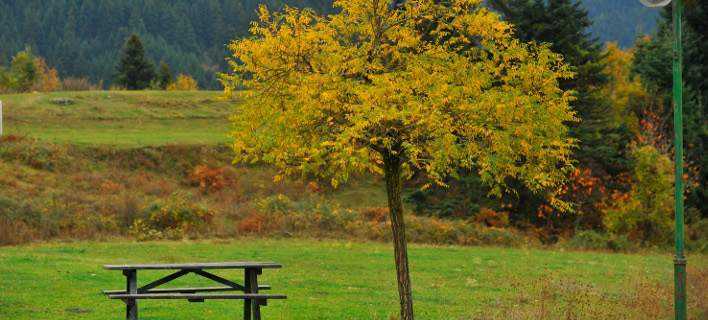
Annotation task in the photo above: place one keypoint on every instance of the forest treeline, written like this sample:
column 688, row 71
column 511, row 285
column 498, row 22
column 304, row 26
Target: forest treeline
column 82, row 38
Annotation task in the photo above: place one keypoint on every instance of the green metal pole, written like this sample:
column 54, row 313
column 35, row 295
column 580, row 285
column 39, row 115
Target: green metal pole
column 679, row 259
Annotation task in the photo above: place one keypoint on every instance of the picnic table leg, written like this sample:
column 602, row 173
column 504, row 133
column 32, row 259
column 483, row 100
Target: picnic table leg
column 255, row 304
column 247, row 289
column 251, row 307
column 131, row 311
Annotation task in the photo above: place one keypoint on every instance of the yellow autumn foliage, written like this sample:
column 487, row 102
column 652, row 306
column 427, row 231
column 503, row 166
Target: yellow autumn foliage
column 430, row 87
column 47, row 78
column 625, row 91
column 183, row 82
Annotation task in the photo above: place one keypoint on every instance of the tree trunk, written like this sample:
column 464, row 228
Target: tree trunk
column 392, row 173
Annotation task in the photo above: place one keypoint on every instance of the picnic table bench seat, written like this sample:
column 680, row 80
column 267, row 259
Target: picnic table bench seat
column 186, row 290
column 194, row 297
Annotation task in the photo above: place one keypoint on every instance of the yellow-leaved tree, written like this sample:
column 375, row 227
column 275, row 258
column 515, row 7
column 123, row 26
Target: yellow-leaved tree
column 425, row 87
column 184, row 82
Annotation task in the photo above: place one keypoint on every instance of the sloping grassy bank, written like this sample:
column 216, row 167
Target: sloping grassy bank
column 119, row 118
column 53, row 191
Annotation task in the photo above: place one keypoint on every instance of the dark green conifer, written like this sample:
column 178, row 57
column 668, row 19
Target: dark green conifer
column 564, row 24
column 164, row 76
column 135, row 71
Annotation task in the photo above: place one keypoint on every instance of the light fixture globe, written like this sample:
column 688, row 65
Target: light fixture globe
column 655, row 3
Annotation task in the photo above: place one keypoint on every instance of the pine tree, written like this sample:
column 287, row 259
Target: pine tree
column 164, row 76
column 135, row 71
column 564, row 25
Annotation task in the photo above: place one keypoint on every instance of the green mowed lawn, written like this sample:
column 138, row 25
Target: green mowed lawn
column 120, row 118
column 323, row 279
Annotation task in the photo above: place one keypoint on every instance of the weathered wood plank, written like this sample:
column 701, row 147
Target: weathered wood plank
column 255, row 303
column 187, row 296
column 218, row 279
column 247, row 302
column 187, row 290
column 131, row 306
column 163, row 280
column 195, row 266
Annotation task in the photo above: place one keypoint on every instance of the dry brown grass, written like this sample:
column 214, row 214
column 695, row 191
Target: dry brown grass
column 640, row 298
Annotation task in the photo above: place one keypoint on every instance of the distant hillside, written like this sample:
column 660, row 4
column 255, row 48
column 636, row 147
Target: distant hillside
column 621, row 20
column 83, row 37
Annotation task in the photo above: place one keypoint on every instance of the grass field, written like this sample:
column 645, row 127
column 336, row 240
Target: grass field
column 119, row 118
column 324, row 280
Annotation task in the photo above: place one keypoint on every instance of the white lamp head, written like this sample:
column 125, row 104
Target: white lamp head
column 655, row 3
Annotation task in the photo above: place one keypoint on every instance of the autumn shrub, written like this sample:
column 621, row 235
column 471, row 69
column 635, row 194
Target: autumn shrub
column 14, row 228
column 175, row 217
column 698, row 236
column 278, row 203
column 35, row 154
column 47, row 78
column 5, row 80
column 645, row 212
column 41, row 219
column 313, row 216
column 211, row 179
column 14, row 232
column 253, row 223
column 184, row 82
column 375, row 214
column 120, row 208
column 588, row 191
column 463, row 197
column 492, row 218
column 318, row 217
column 78, row 84
column 52, row 191
column 589, row 239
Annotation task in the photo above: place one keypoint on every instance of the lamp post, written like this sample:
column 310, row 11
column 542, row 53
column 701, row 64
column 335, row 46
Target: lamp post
column 679, row 258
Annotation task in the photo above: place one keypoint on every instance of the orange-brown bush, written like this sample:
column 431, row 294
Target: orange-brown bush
column 253, row 223
column 377, row 214
column 47, row 78
column 492, row 218
column 15, row 232
column 210, row 179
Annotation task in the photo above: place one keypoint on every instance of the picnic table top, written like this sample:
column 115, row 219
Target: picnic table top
column 187, row 266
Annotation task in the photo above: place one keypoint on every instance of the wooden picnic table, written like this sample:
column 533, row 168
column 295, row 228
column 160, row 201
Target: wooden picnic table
column 253, row 300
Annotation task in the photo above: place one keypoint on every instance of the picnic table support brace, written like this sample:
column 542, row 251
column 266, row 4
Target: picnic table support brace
column 162, row 281
column 218, row 279
column 131, row 310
